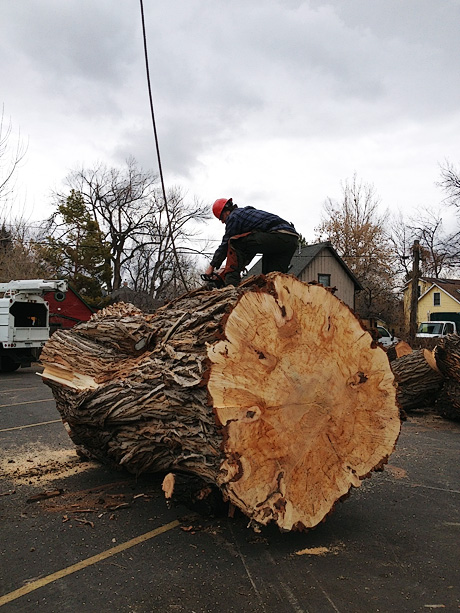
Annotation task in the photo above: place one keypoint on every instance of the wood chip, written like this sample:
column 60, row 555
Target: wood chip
column 86, row 522
column 45, row 496
column 314, row 551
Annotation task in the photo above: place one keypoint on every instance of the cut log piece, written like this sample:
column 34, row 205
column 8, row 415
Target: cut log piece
column 272, row 391
column 398, row 350
column 447, row 356
column 418, row 378
column 448, row 401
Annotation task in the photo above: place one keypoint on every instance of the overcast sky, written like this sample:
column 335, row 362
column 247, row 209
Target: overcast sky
column 272, row 102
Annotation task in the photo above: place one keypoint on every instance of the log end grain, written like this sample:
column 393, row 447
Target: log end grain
column 306, row 401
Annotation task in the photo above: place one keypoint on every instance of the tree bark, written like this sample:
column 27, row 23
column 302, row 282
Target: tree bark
column 448, row 401
column 272, row 391
column 418, row 379
column 447, row 356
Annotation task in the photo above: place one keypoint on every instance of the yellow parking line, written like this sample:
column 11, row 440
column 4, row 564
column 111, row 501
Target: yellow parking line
column 18, row 404
column 35, row 585
column 42, row 423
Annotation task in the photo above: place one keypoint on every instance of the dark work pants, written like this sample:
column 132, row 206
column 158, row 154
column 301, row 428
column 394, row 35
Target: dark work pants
column 277, row 249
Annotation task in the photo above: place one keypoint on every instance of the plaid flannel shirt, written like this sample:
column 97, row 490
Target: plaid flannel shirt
column 248, row 219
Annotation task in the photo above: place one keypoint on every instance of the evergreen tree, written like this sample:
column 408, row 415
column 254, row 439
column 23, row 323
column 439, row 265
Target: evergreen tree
column 75, row 248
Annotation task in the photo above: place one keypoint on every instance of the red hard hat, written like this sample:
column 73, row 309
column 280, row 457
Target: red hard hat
column 219, row 205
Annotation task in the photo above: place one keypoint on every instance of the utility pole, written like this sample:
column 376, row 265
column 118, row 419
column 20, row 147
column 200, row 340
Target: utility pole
column 414, row 290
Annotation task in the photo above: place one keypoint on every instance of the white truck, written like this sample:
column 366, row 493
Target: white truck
column 385, row 338
column 24, row 321
column 436, row 329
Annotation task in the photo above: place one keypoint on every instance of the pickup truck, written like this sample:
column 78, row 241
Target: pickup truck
column 436, row 329
column 24, row 321
column 385, row 338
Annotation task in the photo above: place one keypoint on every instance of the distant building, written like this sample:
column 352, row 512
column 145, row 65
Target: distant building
column 437, row 299
column 320, row 263
column 141, row 300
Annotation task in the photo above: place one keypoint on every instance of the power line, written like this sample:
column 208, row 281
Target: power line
column 182, row 250
column 158, row 148
column 58, row 242
column 105, row 232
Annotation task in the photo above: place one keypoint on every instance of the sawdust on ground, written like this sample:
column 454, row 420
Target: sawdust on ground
column 37, row 463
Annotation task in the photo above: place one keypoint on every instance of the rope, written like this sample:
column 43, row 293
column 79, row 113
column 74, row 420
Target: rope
column 168, row 217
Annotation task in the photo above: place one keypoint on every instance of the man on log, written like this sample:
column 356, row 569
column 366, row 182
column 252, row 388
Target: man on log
column 250, row 231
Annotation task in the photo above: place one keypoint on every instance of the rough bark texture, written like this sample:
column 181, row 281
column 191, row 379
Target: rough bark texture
column 419, row 381
column 447, row 356
column 273, row 391
column 448, row 401
column 147, row 412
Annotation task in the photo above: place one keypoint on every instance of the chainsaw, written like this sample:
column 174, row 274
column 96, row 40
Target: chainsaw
column 213, row 281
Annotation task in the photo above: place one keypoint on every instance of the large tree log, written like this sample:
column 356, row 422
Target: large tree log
column 418, row 378
column 273, row 391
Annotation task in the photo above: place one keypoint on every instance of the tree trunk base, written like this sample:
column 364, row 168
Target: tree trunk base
column 272, row 391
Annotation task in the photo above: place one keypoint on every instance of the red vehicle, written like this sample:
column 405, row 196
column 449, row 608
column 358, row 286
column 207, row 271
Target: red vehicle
column 67, row 309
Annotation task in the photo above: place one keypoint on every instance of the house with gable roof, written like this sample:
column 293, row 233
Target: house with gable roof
column 439, row 299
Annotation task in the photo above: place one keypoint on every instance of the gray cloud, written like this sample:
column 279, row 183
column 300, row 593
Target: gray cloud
column 224, row 74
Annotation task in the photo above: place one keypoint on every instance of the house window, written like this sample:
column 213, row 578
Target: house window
column 324, row 280
column 436, row 299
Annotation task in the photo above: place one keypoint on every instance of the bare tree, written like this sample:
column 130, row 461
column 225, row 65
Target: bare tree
column 18, row 254
column 156, row 273
column 129, row 210
column 119, row 202
column 450, row 184
column 12, row 153
column 402, row 239
column 360, row 234
column 154, row 267
column 439, row 250
column 355, row 226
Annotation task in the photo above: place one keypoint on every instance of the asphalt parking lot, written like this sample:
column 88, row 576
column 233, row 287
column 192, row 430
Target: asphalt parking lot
column 76, row 536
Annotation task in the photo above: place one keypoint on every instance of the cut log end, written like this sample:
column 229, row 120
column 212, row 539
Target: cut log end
column 306, row 403
column 397, row 351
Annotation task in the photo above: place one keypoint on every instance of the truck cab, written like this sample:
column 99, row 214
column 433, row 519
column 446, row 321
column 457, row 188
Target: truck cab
column 24, row 321
column 385, row 338
column 436, row 329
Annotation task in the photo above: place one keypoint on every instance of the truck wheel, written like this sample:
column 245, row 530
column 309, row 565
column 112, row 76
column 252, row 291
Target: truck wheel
column 8, row 365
